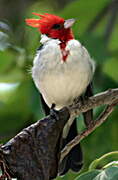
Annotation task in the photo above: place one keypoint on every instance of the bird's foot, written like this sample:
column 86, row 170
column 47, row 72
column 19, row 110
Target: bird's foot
column 90, row 125
column 54, row 113
column 88, row 115
column 77, row 100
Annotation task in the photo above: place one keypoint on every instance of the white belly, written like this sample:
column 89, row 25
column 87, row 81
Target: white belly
column 61, row 82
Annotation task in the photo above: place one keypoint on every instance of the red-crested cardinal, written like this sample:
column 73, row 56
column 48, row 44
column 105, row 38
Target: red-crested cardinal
column 62, row 71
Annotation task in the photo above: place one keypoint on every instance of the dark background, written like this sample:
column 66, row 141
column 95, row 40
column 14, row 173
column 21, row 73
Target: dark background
column 96, row 28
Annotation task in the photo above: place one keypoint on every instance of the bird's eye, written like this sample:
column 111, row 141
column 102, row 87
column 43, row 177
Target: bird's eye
column 56, row 26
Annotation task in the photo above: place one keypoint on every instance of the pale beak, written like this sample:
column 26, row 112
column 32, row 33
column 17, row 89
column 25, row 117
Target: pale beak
column 68, row 23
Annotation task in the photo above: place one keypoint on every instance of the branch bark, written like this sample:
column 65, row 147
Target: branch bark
column 105, row 98
column 104, row 115
column 109, row 98
column 34, row 153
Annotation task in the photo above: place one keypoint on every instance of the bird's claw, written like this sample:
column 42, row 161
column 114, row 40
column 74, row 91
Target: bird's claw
column 91, row 124
column 54, row 113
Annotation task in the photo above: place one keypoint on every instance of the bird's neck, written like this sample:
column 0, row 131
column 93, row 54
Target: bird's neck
column 66, row 36
column 64, row 40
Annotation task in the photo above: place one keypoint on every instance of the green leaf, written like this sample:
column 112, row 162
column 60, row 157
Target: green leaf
column 113, row 163
column 103, row 160
column 89, row 175
column 110, row 173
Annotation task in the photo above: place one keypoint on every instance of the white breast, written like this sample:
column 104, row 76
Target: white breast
column 61, row 82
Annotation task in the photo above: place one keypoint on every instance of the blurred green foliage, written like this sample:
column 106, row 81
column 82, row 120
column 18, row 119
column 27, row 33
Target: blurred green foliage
column 19, row 98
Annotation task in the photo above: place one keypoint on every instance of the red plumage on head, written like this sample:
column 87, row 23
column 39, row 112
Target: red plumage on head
column 45, row 22
column 46, row 25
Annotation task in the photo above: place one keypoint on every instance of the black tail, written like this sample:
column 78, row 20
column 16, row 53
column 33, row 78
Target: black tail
column 74, row 160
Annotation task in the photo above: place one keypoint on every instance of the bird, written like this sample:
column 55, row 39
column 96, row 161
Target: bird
column 62, row 71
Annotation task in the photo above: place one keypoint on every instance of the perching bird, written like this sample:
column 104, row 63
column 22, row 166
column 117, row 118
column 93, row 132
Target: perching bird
column 62, row 71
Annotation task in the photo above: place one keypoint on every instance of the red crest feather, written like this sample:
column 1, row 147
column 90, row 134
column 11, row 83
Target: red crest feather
column 45, row 22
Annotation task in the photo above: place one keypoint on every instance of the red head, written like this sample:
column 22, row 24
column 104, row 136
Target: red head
column 53, row 26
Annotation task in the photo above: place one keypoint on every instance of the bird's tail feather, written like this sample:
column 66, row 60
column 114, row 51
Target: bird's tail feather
column 74, row 159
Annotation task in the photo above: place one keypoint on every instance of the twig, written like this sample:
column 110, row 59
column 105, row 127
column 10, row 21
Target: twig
column 5, row 174
column 4, row 167
column 103, row 116
column 105, row 98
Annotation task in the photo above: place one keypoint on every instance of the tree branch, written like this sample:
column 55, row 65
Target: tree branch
column 109, row 97
column 34, row 153
column 105, row 98
column 103, row 116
